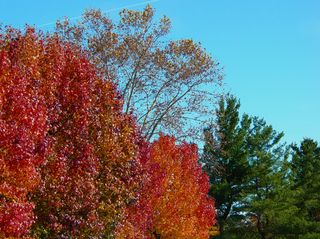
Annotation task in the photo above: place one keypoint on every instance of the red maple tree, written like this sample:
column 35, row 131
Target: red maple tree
column 175, row 202
column 66, row 149
column 73, row 165
column 184, row 210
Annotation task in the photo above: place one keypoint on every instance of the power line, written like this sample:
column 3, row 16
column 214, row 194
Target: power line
column 107, row 11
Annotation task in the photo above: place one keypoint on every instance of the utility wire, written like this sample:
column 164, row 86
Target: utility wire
column 107, row 11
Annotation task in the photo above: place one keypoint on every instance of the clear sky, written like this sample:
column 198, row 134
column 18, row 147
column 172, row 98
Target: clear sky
column 270, row 50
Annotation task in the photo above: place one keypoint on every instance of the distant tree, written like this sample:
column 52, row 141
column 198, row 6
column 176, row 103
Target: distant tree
column 169, row 85
column 225, row 159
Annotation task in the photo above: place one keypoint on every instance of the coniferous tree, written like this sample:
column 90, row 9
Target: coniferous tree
column 306, row 182
column 249, row 175
column 225, row 158
column 267, row 158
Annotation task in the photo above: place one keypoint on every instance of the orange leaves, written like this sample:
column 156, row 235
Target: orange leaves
column 73, row 165
column 184, row 210
column 139, row 215
column 174, row 203
column 214, row 231
column 65, row 146
column 163, row 82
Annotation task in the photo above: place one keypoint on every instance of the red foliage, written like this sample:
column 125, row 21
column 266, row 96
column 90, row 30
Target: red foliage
column 64, row 142
column 72, row 164
column 174, row 203
column 23, row 129
column 68, row 197
column 138, row 221
column 92, row 170
column 184, row 210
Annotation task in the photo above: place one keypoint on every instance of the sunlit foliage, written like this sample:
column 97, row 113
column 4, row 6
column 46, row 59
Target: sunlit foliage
column 73, row 165
column 170, row 85
column 177, row 198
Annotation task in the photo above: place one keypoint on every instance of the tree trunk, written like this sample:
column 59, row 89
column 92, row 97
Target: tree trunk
column 260, row 228
column 156, row 235
column 224, row 219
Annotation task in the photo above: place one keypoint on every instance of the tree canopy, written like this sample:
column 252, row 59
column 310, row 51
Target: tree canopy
column 75, row 165
column 170, row 85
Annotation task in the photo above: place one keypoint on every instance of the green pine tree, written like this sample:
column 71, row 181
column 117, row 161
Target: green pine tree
column 306, row 182
column 259, row 191
column 225, row 159
column 265, row 199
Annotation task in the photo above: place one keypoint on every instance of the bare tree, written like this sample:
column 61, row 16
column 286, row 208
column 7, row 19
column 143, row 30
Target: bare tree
column 171, row 86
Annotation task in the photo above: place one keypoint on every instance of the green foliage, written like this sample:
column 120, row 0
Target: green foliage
column 306, row 182
column 267, row 157
column 226, row 159
column 260, row 191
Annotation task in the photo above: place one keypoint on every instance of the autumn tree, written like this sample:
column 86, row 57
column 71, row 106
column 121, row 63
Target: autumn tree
column 67, row 197
column 138, row 221
column 73, row 163
column 175, row 202
column 92, row 172
column 68, row 154
column 169, row 84
column 184, row 210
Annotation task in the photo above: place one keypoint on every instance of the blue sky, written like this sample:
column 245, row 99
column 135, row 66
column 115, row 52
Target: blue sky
column 270, row 50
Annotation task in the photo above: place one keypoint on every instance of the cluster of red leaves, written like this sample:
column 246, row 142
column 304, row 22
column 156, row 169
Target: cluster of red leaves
column 23, row 127
column 138, row 221
column 175, row 202
column 67, row 152
column 72, row 165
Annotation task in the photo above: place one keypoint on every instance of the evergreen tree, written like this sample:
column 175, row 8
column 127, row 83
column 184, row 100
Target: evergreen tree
column 267, row 158
column 248, row 172
column 259, row 192
column 225, row 158
column 306, row 182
